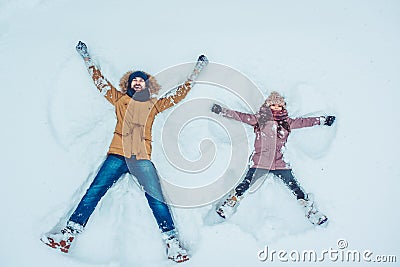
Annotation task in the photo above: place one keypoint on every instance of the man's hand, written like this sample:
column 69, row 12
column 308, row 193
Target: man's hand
column 81, row 48
column 202, row 61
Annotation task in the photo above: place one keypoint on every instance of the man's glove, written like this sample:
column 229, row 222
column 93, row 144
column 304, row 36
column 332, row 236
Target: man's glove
column 329, row 120
column 81, row 48
column 216, row 109
column 202, row 61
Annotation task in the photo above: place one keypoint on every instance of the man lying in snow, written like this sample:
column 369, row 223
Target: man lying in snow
column 130, row 151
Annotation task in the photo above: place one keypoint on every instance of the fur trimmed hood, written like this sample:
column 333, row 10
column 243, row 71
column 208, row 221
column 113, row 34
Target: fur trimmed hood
column 151, row 83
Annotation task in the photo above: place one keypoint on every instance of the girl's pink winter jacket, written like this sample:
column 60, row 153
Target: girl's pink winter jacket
column 268, row 147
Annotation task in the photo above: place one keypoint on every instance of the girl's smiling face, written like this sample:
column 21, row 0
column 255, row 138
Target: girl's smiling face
column 276, row 107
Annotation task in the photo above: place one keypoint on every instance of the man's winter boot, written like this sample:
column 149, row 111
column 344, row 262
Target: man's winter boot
column 175, row 251
column 63, row 239
column 311, row 212
column 229, row 206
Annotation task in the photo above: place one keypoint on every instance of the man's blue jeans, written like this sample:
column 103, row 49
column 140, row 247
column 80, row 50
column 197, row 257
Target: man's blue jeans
column 110, row 172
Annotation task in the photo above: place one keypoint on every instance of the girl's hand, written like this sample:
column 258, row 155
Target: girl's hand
column 329, row 120
column 216, row 109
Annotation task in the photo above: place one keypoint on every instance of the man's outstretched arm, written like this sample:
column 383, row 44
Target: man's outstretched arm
column 102, row 84
column 171, row 100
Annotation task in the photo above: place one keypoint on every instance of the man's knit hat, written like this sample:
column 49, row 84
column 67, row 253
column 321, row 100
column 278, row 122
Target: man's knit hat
column 275, row 99
column 151, row 83
column 135, row 74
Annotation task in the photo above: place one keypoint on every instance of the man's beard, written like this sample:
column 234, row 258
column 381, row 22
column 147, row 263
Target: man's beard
column 142, row 95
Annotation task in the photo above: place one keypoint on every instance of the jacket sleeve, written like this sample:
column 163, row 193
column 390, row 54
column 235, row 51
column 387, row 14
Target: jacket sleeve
column 296, row 123
column 240, row 116
column 102, row 84
column 171, row 100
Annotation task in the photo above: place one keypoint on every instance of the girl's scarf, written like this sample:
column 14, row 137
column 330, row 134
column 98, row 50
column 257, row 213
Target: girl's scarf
column 281, row 116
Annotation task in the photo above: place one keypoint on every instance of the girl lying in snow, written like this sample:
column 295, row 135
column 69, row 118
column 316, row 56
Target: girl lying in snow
column 272, row 126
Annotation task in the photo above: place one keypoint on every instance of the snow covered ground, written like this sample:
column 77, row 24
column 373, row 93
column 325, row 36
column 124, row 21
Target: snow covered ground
column 331, row 57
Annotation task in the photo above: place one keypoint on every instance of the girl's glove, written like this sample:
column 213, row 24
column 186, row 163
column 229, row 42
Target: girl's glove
column 329, row 120
column 216, row 108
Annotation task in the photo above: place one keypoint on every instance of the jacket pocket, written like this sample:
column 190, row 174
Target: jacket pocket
column 148, row 146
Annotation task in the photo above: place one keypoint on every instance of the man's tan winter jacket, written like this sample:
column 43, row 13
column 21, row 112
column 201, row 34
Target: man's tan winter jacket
column 132, row 135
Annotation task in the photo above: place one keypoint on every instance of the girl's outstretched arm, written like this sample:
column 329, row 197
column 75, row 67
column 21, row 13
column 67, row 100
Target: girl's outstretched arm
column 250, row 119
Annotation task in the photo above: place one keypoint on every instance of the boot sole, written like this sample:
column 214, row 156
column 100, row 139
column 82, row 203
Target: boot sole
column 63, row 246
column 184, row 258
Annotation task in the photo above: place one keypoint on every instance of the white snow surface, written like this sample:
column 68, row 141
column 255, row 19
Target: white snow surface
column 327, row 57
